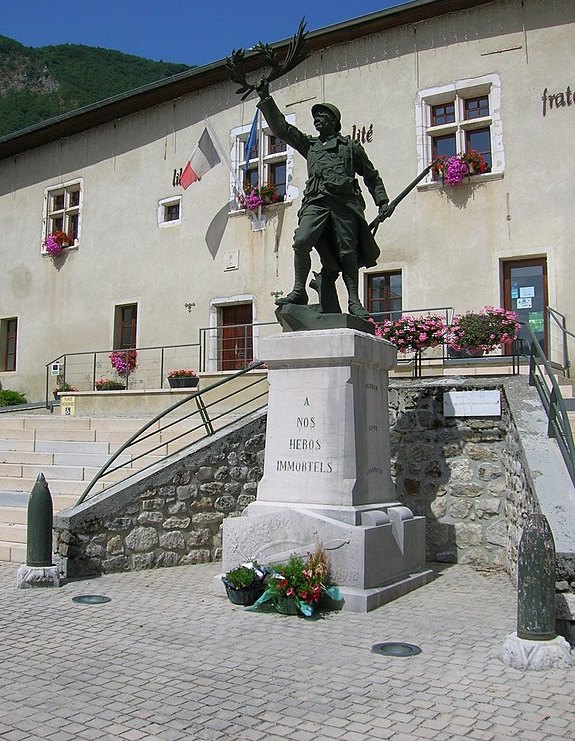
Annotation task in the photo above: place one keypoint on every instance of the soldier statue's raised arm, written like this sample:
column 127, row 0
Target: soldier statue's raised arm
column 331, row 217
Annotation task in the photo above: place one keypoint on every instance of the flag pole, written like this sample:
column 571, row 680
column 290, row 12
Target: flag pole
column 224, row 155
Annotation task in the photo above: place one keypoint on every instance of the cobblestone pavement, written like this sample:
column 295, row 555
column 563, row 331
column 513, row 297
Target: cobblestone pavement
column 167, row 659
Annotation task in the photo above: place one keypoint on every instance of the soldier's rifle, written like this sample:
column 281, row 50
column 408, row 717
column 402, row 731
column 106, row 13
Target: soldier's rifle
column 378, row 219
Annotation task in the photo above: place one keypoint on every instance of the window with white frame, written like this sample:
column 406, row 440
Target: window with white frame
column 269, row 162
column 461, row 117
column 170, row 211
column 62, row 209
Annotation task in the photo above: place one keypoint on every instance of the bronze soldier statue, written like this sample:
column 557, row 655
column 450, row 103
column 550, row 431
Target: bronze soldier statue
column 331, row 217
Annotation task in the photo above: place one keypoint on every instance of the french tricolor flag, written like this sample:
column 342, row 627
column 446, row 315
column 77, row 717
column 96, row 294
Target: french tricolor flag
column 203, row 158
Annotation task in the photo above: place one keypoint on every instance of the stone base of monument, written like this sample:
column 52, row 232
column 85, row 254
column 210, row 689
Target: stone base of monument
column 327, row 469
column 520, row 653
column 29, row 577
column 372, row 563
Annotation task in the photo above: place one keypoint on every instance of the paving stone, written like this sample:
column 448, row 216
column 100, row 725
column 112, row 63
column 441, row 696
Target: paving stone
column 167, row 660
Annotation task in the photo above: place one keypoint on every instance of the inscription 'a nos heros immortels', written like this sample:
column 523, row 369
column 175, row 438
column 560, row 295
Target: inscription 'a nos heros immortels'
column 304, row 424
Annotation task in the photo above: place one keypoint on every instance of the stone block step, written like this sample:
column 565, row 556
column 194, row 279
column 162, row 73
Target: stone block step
column 68, row 473
column 33, row 457
column 13, row 515
column 65, row 435
column 86, row 459
column 14, row 552
column 57, row 422
column 124, row 425
column 18, row 434
column 58, row 446
column 15, row 533
column 23, row 445
column 116, row 441
column 10, row 469
column 57, row 486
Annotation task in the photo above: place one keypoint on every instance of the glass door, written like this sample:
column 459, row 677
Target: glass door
column 525, row 293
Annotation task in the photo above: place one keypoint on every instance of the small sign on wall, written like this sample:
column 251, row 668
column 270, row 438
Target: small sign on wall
column 232, row 260
column 68, row 406
column 472, row 403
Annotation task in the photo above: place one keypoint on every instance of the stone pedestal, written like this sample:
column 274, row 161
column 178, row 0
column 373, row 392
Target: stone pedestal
column 327, row 469
column 29, row 577
column 520, row 653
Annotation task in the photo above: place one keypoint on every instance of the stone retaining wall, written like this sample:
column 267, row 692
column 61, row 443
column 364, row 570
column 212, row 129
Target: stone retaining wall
column 467, row 476
column 172, row 518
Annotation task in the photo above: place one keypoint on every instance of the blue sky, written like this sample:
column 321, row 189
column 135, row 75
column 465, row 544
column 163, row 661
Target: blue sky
column 185, row 31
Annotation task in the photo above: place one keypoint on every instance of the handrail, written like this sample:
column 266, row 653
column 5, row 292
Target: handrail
column 202, row 409
column 561, row 321
column 558, row 425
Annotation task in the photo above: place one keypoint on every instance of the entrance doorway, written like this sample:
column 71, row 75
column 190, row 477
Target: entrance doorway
column 525, row 293
column 235, row 337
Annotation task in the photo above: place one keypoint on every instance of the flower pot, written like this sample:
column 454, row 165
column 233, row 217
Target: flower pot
column 286, row 605
column 244, row 596
column 184, row 382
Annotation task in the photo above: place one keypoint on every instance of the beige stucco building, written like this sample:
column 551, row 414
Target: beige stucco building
column 155, row 266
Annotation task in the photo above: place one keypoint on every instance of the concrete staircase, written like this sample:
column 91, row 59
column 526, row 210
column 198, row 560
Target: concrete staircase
column 69, row 451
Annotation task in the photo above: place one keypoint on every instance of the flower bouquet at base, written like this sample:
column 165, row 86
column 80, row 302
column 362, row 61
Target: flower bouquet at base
column 245, row 583
column 299, row 584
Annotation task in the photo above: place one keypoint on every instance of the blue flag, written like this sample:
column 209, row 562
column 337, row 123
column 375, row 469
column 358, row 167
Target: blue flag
column 252, row 139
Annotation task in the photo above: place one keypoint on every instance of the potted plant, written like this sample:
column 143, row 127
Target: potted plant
column 474, row 333
column 56, row 242
column 245, row 584
column 299, row 584
column 412, row 333
column 124, row 361
column 62, row 387
column 254, row 197
column 183, row 378
column 107, row 384
column 454, row 169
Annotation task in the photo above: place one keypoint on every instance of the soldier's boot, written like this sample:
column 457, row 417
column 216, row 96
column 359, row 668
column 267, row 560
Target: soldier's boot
column 351, row 280
column 298, row 294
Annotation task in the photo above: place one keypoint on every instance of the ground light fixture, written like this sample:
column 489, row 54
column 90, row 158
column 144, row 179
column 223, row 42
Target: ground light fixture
column 91, row 599
column 391, row 648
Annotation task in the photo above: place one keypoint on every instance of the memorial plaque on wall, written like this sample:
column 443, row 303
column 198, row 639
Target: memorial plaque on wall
column 472, row 403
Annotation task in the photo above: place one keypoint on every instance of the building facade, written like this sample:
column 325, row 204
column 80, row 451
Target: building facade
column 150, row 265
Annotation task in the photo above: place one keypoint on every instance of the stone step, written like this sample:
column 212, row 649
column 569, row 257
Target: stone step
column 33, row 457
column 13, row 515
column 68, row 446
column 23, row 445
column 14, row 552
column 57, row 486
column 15, row 533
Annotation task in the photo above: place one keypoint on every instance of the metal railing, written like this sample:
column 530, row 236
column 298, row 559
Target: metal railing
column 541, row 376
column 228, row 348
column 558, row 321
column 175, row 428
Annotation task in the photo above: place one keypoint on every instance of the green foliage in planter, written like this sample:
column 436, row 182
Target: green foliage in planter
column 105, row 384
column 241, row 577
column 11, row 398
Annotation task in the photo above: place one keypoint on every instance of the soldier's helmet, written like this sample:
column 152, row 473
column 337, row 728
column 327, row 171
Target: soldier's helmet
column 328, row 108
